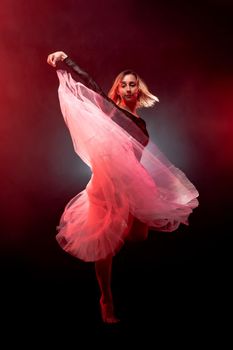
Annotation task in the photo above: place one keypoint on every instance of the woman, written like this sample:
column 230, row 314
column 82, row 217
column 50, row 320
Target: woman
column 131, row 189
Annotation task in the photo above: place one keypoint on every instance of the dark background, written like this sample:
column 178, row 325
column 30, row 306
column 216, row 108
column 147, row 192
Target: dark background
column 183, row 52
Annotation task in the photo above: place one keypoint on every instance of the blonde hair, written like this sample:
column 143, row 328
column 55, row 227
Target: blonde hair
column 145, row 98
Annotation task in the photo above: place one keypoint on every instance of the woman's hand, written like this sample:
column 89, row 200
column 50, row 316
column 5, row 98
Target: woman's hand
column 55, row 57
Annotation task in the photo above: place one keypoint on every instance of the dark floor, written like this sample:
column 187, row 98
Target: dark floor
column 177, row 284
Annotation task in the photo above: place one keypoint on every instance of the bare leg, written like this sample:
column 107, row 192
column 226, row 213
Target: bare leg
column 103, row 269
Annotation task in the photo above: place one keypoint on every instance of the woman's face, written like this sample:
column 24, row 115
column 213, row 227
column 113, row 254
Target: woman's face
column 128, row 89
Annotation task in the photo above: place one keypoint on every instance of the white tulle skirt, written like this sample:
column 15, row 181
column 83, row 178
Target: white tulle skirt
column 128, row 180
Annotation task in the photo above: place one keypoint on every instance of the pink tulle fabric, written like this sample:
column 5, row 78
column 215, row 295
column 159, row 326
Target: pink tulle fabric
column 127, row 179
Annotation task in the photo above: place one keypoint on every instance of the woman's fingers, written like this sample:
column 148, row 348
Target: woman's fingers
column 51, row 60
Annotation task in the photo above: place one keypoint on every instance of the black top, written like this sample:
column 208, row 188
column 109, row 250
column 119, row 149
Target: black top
column 91, row 84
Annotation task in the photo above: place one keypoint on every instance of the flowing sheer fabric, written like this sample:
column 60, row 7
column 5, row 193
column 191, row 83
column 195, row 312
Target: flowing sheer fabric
column 127, row 177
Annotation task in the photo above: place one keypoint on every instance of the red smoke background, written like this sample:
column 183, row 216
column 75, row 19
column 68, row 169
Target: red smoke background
column 183, row 51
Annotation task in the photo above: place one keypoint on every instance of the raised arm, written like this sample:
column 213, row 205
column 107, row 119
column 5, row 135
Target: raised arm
column 57, row 56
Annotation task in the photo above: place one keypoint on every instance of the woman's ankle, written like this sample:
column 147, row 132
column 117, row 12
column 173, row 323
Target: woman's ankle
column 106, row 299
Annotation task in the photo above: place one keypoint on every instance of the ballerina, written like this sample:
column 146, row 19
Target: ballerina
column 132, row 189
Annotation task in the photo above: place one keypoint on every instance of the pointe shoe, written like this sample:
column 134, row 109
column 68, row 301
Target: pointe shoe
column 107, row 312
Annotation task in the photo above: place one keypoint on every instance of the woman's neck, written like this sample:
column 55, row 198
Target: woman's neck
column 129, row 107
